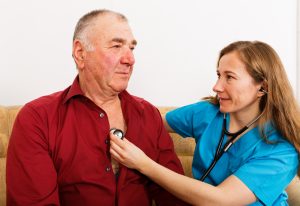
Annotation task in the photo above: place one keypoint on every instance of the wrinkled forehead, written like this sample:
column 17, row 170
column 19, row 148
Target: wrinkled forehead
column 107, row 20
column 109, row 25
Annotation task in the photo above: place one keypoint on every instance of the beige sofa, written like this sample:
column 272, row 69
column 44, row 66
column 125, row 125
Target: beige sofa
column 184, row 149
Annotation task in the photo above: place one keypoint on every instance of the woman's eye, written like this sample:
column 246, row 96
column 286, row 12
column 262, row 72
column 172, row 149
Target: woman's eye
column 229, row 77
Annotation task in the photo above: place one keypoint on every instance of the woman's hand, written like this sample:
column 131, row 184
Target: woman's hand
column 127, row 153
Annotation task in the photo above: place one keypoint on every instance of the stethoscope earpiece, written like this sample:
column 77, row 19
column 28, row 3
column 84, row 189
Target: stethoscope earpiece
column 263, row 91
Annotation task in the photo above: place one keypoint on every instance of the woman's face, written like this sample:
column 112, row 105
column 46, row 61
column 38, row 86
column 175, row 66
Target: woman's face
column 235, row 88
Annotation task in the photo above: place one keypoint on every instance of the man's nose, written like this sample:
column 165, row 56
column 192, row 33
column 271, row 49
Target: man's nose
column 128, row 57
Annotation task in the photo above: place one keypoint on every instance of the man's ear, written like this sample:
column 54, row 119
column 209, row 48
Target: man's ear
column 78, row 53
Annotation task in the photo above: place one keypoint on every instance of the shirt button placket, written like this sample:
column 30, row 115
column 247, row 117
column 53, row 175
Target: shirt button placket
column 101, row 115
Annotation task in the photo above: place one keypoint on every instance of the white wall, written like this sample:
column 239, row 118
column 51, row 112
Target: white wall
column 178, row 43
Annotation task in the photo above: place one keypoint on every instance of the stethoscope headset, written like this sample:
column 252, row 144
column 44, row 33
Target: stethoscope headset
column 228, row 144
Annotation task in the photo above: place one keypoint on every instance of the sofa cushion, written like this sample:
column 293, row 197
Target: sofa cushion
column 3, row 132
column 184, row 148
column 7, row 118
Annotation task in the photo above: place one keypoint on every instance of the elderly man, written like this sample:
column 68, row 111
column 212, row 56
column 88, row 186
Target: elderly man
column 59, row 149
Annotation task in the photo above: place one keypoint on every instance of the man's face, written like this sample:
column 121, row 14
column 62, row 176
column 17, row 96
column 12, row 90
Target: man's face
column 110, row 63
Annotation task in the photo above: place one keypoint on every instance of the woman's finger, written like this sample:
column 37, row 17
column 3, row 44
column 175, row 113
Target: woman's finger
column 114, row 154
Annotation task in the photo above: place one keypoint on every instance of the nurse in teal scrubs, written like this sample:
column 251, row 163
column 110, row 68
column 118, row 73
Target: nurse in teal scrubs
column 247, row 136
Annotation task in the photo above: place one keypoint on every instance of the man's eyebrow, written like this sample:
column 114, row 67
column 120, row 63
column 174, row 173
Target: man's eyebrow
column 120, row 40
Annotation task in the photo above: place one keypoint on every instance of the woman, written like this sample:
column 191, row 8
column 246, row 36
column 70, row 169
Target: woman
column 247, row 136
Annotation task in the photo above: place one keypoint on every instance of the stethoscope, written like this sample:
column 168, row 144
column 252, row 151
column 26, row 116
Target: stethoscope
column 229, row 143
column 117, row 132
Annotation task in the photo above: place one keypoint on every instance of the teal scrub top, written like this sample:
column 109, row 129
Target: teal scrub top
column 266, row 169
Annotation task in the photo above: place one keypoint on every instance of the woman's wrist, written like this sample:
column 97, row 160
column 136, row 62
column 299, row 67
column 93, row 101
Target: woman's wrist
column 146, row 165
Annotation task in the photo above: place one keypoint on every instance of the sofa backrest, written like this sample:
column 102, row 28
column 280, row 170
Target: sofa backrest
column 7, row 117
column 184, row 148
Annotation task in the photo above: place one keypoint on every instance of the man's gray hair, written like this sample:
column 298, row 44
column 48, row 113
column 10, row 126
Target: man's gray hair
column 85, row 22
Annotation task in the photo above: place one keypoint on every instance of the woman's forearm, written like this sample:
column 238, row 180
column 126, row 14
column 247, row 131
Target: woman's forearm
column 185, row 188
column 231, row 191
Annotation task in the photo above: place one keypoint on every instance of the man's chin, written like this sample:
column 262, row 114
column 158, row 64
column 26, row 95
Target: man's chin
column 120, row 89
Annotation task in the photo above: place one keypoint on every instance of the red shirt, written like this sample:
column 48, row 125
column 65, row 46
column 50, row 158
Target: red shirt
column 58, row 153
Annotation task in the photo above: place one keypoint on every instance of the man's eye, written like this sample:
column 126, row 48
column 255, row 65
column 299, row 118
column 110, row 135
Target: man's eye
column 116, row 46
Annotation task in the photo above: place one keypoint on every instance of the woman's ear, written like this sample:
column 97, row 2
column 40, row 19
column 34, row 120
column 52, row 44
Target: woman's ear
column 263, row 90
column 78, row 53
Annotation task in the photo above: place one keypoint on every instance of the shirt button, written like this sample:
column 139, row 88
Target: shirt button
column 101, row 114
column 107, row 169
column 106, row 141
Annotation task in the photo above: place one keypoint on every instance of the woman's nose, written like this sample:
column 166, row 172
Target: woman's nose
column 218, row 87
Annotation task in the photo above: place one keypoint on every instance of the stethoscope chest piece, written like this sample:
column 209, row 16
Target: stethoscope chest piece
column 117, row 132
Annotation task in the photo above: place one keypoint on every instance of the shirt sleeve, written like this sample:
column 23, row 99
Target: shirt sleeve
column 192, row 120
column 270, row 172
column 31, row 176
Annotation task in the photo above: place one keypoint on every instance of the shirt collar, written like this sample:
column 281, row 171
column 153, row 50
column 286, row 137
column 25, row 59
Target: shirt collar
column 74, row 90
column 135, row 102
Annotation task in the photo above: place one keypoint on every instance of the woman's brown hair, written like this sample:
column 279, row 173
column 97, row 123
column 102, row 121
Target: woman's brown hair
column 279, row 105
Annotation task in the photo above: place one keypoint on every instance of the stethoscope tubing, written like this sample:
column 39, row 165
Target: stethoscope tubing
column 228, row 144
